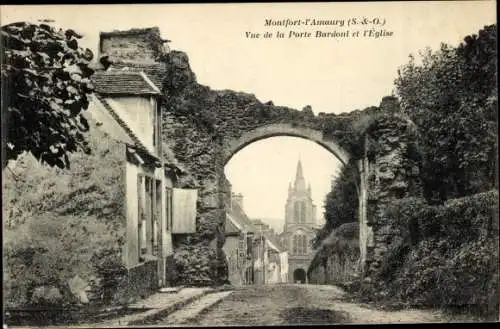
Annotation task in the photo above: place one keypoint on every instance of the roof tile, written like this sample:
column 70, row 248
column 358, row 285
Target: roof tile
column 238, row 215
column 231, row 228
column 121, row 82
column 156, row 72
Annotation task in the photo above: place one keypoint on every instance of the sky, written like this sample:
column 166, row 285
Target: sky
column 330, row 74
column 264, row 179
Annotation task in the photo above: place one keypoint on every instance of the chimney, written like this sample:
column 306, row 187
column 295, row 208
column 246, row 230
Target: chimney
column 136, row 45
column 238, row 199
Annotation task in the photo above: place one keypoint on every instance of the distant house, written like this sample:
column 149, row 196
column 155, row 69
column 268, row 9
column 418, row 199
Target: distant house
column 284, row 266
column 273, row 265
column 239, row 243
column 127, row 105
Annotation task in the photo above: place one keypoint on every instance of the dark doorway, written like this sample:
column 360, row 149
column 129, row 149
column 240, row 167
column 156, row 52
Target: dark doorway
column 299, row 276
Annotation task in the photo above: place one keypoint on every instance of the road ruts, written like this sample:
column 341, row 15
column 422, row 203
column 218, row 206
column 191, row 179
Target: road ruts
column 301, row 305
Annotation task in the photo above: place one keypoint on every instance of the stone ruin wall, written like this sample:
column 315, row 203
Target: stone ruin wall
column 392, row 173
column 197, row 124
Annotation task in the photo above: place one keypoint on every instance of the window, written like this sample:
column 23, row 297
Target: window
column 296, row 212
column 302, row 212
column 157, row 128
column 249, row 246
column 232, row 261
column 299, row 244
column 241, row 246
column 156, row 209
column 304, row 245
column 142, row 216
column 149, row 197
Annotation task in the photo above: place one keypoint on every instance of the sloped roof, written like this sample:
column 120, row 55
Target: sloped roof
column 274, row 240
column 155, row 71
column 119, row 82
column 114, row 82
column 236, row 214
column 259, row 222
column 231, row 228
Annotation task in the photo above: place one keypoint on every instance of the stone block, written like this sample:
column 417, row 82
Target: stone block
column 79, row 288
column 46, row 294
column 210, row 201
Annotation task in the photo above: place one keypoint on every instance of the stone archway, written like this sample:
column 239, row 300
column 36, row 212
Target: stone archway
column 299, row 275
column 207, row 127
column 232, row 146
column 204, row 128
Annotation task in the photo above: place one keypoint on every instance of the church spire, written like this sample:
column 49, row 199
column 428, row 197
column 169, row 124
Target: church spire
column 300, row 182
column 299, row 174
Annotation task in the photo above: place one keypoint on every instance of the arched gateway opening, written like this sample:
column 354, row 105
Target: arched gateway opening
column 232, row 145
column 299, row 276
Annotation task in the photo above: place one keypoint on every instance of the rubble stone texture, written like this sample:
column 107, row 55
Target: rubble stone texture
column 205, row 127
column 393, row 174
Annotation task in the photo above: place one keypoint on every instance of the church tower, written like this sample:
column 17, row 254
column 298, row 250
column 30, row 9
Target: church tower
column 299, row 207
column 300, row 221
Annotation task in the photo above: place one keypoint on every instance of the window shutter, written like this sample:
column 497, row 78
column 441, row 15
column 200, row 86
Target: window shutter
column 141, row 215
column 249, row 246
column 241, row 247
column 157, row 217
column 168, row 204
column 149, row 215
column 184, row 210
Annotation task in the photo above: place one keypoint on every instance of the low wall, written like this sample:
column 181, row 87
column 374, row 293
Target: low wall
column 143, row 279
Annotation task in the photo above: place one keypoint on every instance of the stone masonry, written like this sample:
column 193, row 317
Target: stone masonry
column 392, row 173
column 203, row 128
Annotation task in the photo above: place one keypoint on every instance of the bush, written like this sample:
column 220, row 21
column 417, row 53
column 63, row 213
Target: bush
column 401, row 232
column 57, row 219
column 342, row 247
column 49, row 251
column 462, row 220
column 94, row 186
column 440, row 256
column 455, row 264
column 341, row 203
column 462, row 279
column 111, row 273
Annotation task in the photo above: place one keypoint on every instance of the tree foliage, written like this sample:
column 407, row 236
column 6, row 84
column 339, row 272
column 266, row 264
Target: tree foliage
column 451, row 95
column 56, row 219
column 454, row 263
column 94, row 186
column 341, row 203
column 46, row 81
